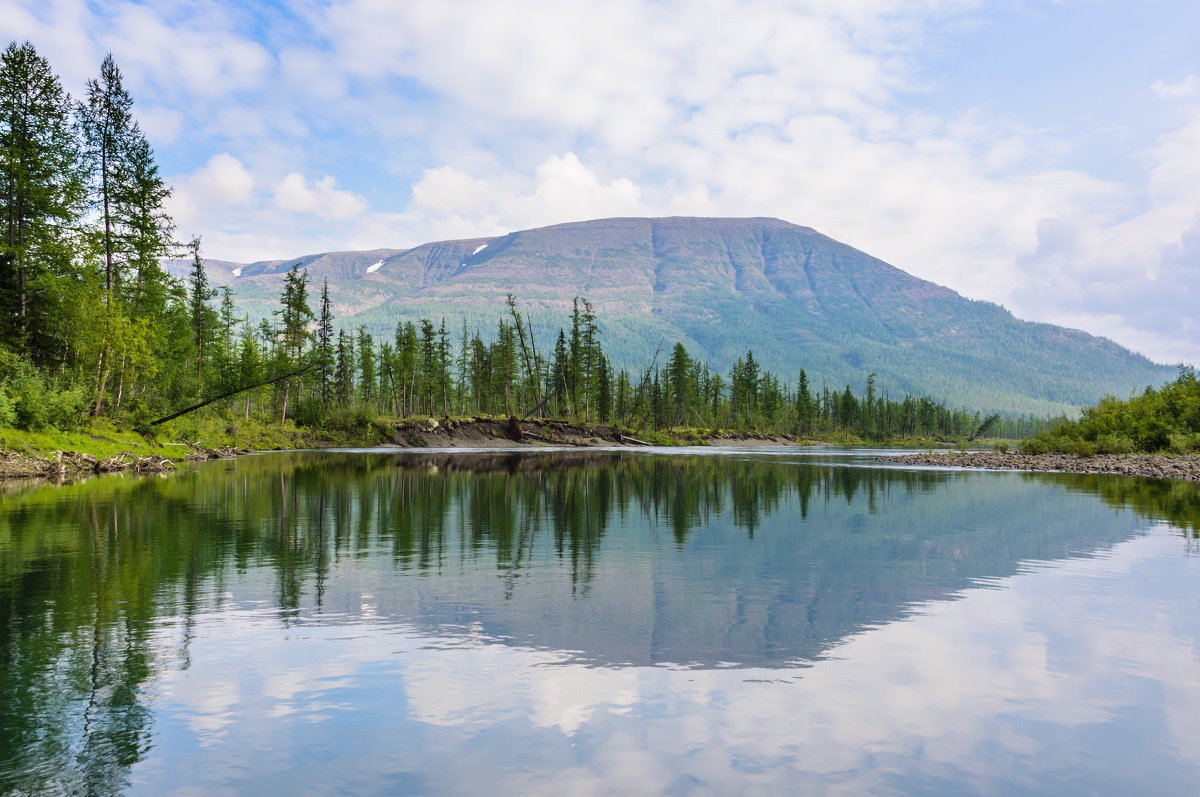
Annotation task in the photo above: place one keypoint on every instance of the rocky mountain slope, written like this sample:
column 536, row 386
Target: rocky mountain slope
column 797, row 298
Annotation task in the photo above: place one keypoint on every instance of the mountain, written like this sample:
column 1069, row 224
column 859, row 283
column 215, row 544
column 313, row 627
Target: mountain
column 797, row 298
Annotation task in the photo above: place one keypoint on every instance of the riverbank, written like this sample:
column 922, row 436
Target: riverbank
column 106, row 449
column 1158, row 466
column 61, row 464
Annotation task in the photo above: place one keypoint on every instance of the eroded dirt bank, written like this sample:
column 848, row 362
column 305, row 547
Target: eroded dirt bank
column 1159, row 466
column 490, row 432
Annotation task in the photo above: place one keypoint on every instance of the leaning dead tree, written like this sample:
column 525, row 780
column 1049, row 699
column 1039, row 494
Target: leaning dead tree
column 231, row 394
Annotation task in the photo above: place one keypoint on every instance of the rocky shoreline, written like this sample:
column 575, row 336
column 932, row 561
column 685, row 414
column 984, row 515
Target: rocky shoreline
column 1158, row 466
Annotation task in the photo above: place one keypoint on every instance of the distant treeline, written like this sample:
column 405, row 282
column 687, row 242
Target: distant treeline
column 92, row 325
column 347, row 376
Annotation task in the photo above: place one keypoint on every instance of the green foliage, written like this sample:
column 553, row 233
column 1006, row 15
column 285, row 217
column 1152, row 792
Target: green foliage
column 1163, row 420
column 32, row 402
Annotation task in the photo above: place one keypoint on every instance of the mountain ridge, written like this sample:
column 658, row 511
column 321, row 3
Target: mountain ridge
column 722, row 286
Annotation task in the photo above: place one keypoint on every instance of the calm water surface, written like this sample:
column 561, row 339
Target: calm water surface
column 598, row 622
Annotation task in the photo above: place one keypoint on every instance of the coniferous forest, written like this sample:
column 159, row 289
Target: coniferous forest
column 92, row 328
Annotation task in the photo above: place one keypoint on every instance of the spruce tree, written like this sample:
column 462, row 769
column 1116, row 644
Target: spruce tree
column 604, row 392
column 295, row 316
column 324, row 354
column 342, row 370
column 590, row 351
column 199, row 310
column 443, row 354
column 804, row 405
column 679, row 369
column 366, row 366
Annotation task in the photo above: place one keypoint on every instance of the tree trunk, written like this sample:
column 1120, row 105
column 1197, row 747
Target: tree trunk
column 120, row 384
column 22, row 275
column 104, row 367
column 108, row 264
column 392, row 382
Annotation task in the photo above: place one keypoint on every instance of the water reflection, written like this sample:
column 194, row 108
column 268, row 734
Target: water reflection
column 1001, row 692
column 514, row 592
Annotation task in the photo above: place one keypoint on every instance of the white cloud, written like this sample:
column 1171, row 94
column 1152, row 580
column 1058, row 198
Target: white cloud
column 562, row 189
column 198, row 54
column 1188, row 87
column 200, row 199
column 224, row 181
column 1133, row 277
column 321, row 198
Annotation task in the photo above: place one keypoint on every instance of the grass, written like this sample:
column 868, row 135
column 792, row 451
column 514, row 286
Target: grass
column 101, row 439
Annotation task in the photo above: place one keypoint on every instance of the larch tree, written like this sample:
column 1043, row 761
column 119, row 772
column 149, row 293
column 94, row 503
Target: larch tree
column 146, row 231
column 294, row 318
column 42, row 194
column 108, row 129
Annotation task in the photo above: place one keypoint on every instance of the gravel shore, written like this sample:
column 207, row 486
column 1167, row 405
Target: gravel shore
column 1158, row 466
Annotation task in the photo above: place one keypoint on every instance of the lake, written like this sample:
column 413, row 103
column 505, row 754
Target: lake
column 536, row 621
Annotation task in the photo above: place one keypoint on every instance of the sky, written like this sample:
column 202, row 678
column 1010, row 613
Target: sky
column 1042, row 154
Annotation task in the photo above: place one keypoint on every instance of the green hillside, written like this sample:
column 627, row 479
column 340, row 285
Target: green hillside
column 797, row 298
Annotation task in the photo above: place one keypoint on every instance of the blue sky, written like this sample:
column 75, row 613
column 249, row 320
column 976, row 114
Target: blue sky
column 1041, row 154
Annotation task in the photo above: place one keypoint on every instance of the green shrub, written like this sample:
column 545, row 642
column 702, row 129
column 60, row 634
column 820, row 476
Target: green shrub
column 1112, row 443
column 1040, row 444
column 34, row 402
column 1084, row 448
column 8, row 411
column 316, row 414
column 1183, row 443
column 66, row 407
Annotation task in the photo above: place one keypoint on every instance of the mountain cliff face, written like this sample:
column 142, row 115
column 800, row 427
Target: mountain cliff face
column 797, row 298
